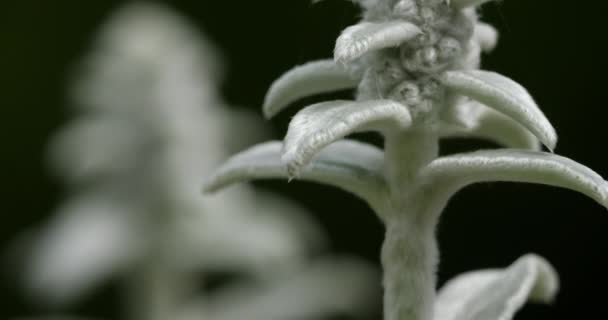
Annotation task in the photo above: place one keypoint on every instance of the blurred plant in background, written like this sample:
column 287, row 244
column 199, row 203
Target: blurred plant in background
column 150, row 124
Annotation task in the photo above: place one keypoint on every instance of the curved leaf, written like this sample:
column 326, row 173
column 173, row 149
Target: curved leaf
column 505, row 96
column 319, row 125
column 361, row 38
column 486, row 35
column 497, row 294
column 462, row 4
column 486, row 123
column 308, row 79
column 459, row 170
column 353, row 166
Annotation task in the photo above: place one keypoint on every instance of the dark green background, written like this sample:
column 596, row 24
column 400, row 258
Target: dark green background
column 555, row 48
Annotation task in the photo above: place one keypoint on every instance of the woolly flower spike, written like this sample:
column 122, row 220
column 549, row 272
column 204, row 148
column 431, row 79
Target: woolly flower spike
column 417, row 61
column 152, row 124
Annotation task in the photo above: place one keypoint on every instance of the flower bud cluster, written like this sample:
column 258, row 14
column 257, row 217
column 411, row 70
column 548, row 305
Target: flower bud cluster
column 406, row 73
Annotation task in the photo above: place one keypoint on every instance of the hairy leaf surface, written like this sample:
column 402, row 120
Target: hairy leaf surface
column 505, row 96
column 319, row 125
column 486, row 35
column 357, row 40
column 517, row 166
column 312, row 78
column 353, row 166
column 497, row 294
column 484, row 123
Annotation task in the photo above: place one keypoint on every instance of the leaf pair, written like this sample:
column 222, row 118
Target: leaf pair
column 495, row 91
column 358, row 168
column 515, row 117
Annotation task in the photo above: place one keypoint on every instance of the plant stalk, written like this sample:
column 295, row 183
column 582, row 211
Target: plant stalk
column 409, row 253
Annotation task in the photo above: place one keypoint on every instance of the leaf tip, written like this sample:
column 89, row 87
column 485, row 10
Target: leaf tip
column 210, row 186
column 551, row 141
column 604, row 195
column 547, row 284
column 293, row 166
column 343, row 57
column 268, row 111
column 269, row 105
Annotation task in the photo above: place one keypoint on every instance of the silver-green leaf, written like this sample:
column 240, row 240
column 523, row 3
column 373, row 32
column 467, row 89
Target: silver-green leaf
column 312, row 78
column 505, row 96
column 357, row 40
column 353, row 166
column 319, row 125
column 497, row 294
column 484, row 123
column 486, row 35
column 512, row 165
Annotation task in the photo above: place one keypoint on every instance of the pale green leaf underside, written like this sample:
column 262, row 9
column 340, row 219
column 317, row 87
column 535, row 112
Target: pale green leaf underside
column 497, row 294
column 491, row 125
column 357, row 40
column 505, row 96
column 328, row 286
column 312, row 78
column 517, row 166
column 353, row 166
column 462, row 4
column 319, row 125
column 486, row 35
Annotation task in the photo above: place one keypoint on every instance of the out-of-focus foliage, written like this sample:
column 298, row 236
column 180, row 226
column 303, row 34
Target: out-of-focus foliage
column 149, row 126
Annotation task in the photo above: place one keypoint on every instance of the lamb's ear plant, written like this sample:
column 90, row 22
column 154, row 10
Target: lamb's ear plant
column 415, row 67
column 150, row 123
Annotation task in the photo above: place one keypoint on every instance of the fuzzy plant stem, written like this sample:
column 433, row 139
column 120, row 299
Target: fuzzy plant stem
column 409, row 252
column 152, row 291
column 155, row 286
